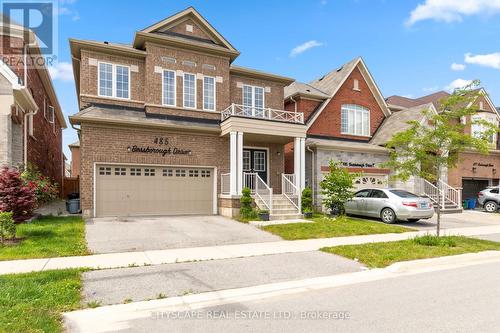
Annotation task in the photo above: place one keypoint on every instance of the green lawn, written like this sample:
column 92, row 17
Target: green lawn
column 48, row 237
column 33, row 302
column 324, row 227
column 384, row 254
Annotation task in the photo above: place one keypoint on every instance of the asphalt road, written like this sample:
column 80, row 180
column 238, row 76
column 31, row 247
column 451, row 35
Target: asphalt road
column 465, row 299
column 114, row 286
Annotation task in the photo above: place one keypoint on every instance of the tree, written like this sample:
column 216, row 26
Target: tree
column 15, row 196
column 437, row 142
column 306, row 200
column 7, row 227
column 246, row 209
column 337, row 187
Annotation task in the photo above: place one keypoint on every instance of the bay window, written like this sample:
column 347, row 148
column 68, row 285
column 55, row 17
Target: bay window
column 355, row 120
column 114, row 80
column 169, row 88
column 209, row 93
column 189, row 91
column 253, row 101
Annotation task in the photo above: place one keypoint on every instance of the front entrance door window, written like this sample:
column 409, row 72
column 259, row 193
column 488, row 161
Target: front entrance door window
column 255, row 160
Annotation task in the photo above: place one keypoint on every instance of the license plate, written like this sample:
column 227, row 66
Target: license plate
column 424, row 205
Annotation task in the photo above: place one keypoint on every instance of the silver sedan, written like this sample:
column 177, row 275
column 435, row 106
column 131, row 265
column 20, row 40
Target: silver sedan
column 390, row 205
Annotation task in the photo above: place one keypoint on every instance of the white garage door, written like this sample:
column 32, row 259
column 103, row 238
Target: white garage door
column 142, row 190
column 370, row 181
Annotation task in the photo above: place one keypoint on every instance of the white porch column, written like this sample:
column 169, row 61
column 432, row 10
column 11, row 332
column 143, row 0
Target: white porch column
column 302, row 164
column 296, row 161
column 233, row 162
column 239, row 171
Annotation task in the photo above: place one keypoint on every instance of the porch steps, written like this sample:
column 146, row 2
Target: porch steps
column 283, row 209
column 449, row 207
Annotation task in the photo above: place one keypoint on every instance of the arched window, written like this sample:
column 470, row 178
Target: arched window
column 355, row 120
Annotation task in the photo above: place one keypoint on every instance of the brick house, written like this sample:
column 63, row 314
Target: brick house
column 168, row 125
column 31, row 119
column 75, row 159
column 474, row 171
column 342, row 110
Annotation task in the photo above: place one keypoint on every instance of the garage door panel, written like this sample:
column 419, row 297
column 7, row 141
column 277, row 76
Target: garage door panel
column 132, row 190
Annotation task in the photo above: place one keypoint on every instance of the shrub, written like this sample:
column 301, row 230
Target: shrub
column 45, row 190
column 246, row 210
column 15, row 196
column 432, row 240
column 306, row 200
column 337, row 187
column 7, row 226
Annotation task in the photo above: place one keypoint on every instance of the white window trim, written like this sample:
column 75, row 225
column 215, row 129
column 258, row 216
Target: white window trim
column 113, row 80
column 184, row 90
column 163, row 87
column 49, row 107
column 215, row 93
column 360, row 111
column 253, row 94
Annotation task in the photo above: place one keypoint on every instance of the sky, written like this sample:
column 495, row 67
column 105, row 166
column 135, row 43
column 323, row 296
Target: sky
column 412, row 48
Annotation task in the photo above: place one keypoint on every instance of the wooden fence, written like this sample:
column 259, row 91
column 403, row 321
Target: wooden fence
column 70, row 185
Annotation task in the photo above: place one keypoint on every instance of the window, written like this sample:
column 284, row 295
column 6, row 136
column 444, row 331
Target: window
column 259, row 160
column 168, row 172
column 169, row 87
column 105, row 171
column 494, row 191
column 404, row 194
column 193, row 173
column 355, row 120
column 246, row 160
column 135, row 171
column 180, row 173
column 362, row 194
column 378, row 194
column 114, row 80
column 189, row 90
column 120, row 172
column 205, row 173
column 149, row 172
column 253, row 101
column 478, row 130
column 49, row 114
column 209, row 93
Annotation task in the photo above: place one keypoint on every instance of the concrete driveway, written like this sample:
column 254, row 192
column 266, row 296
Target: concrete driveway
column 125, row 234
column 469, row 218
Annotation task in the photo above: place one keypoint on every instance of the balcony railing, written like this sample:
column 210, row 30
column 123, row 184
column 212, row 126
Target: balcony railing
column 236, row 110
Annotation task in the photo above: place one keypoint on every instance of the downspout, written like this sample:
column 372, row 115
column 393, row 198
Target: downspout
column 294, row 103
column 26, row 115
column 313, row 172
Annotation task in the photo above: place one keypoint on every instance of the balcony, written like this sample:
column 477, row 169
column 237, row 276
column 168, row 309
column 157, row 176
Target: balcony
column 236, row 110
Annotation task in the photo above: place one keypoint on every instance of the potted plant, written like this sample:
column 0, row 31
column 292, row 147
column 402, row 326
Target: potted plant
column 308, row 213
column 306, row 202
column 264, row 215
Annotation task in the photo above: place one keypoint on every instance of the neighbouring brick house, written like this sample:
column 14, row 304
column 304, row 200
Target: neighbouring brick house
column 343, row 110
column 168, row 125
column 75, row 159
column 31, row 119
column 474, row 171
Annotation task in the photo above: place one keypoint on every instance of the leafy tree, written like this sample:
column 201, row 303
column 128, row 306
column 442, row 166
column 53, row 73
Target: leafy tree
column 7, row 226
column 306, row 200
column 15, row 196
column 426, row 149
column 337, row 187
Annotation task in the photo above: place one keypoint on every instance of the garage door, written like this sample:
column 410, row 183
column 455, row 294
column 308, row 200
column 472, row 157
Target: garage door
column 470, row 187
column 139, row 190
column 370, row 181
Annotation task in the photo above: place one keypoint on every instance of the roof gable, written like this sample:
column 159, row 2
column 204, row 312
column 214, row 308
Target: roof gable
column 189, row 24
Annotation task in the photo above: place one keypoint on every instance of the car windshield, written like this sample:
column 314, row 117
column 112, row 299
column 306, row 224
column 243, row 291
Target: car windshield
column 404, row 194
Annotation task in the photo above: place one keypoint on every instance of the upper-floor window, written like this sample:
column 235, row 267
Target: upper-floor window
column 253, row 100
column 49, row 113
column 189, row 90
column 114, row 80
column 208, row 93
column 355, row 120
column 478, row 130
column 169, row 86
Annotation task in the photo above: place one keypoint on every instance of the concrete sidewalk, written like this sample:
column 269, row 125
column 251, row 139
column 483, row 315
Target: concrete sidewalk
column 157, row 257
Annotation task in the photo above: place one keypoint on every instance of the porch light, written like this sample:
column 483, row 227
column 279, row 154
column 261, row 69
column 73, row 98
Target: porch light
column 474, row 169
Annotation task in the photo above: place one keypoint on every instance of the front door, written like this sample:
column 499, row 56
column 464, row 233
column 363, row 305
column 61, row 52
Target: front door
column 255, row 161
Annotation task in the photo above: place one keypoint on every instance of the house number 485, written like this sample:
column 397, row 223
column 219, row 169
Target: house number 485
column 161, row 141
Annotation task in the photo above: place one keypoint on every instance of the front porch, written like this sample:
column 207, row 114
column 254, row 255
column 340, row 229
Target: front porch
column 257, row 139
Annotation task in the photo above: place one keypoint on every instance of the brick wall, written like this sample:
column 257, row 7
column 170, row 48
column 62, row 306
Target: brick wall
column 45, row 147
column 328, row 123
column 482, row 170
column 306, row 106
column 180, row 28
column 75, row 161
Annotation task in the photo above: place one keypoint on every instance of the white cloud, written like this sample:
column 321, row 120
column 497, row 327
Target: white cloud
column 487, row 60
column 304, row 47
column 457, row 67
column 458, row 83
column 451, row 10
column 61, row 71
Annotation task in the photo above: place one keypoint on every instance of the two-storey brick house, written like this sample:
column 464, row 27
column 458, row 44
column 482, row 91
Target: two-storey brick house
column 168, row 125
column 31, row 119
column 342, row 110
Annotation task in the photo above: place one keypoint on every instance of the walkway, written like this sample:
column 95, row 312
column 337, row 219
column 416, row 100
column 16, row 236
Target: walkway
column 157, row 257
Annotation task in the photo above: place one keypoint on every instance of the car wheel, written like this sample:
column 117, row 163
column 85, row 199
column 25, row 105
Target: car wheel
column 388, row 216
column 491, row 206
column 413, row 220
